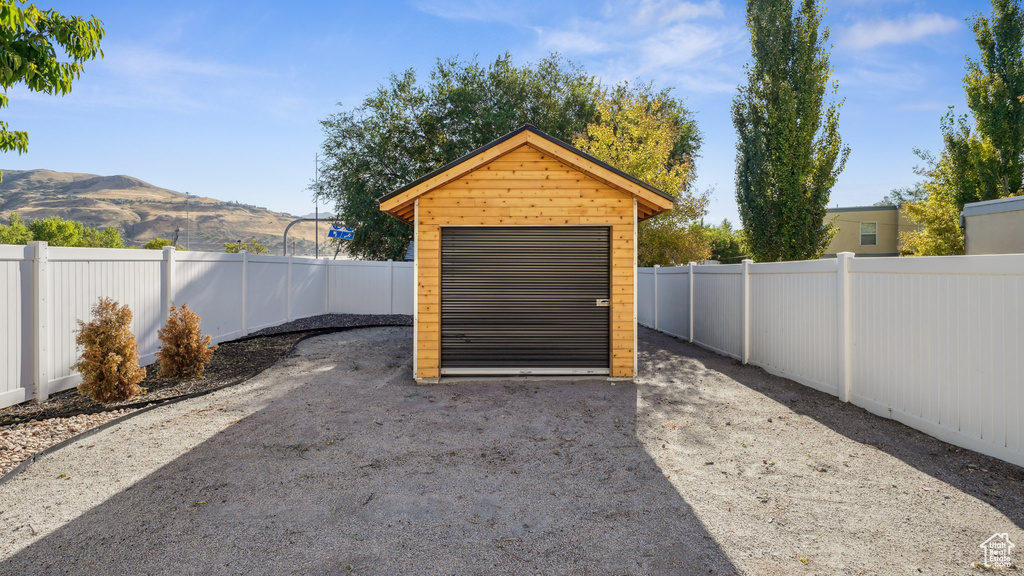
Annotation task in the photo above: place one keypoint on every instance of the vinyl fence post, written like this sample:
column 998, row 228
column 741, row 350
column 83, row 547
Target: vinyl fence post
column 844, row 341
column 245, row 273
column 692, row 266
column 168, row 280
column 40, row 319
column 656, row 266
column 745, row 355
column 288, row 291
column 327, row 285
column 391, row 286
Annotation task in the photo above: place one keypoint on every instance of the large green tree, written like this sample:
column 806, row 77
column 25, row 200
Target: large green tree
column 407, row 128
column 986, row 161
column 652, row 136
column 30, row 40
column 60, row 232
column 789, row 152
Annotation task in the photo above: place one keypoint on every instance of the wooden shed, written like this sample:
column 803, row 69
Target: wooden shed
column 525, row 261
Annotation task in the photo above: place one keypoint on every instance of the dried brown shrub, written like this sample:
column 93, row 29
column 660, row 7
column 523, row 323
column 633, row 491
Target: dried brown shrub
column 184, row 352
column 109, row 363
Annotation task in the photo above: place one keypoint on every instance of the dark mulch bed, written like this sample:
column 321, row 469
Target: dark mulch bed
column 232, row 362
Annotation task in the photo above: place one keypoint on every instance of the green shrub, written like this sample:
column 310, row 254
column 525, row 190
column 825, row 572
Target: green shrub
column 184, row 352
column 109, row 363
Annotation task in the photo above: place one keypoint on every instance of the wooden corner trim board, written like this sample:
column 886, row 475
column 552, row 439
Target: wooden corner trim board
column 652, row 203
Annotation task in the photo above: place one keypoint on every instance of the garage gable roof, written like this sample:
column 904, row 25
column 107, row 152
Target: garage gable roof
column 651, row 200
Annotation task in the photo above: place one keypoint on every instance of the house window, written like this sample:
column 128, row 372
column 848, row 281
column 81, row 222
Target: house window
column 869, row 233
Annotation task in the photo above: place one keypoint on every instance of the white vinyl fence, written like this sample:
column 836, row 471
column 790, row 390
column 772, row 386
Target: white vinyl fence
column 936, row 343
column 45, row 290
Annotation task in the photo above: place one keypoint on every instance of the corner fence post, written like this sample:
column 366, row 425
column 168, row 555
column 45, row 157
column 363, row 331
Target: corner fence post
column 40, row 319
column 692, row 267
column 656, row 266
column 844, row 341
column 745, row 355
column 245, row 273
column 168, row 280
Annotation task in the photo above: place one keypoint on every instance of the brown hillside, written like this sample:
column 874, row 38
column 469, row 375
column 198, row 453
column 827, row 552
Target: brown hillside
column 143, row 211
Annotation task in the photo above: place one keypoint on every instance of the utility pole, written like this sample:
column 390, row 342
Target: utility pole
column 187, row 237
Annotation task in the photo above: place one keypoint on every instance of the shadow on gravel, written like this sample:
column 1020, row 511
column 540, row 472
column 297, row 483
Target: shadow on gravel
column 992, row 481
column 362, row 471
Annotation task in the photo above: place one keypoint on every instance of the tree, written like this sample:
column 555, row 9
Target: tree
column 789, row 152
column 406, row 129
column 652, row 137
column 160, row 243
column 986, row 162
column 60, row 232
column 15, row 232
column 252, row 247
column 31, row 38
column 727, row 245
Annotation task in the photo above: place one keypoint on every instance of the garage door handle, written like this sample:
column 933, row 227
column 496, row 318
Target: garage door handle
column 604, row 302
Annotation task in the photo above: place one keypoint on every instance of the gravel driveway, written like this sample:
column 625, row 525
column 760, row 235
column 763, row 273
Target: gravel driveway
column 334, row 462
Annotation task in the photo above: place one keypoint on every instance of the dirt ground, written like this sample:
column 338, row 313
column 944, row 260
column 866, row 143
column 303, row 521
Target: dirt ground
column 334, row 461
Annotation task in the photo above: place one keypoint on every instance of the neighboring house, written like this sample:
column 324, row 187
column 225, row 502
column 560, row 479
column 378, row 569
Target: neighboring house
column 994, row 226
column 867, row 230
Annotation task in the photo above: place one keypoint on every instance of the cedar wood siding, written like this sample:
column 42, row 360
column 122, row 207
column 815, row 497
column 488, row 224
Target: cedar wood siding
column 526, row 186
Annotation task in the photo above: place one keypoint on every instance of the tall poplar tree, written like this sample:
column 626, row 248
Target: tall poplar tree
column 789, row 152
column 986, row 162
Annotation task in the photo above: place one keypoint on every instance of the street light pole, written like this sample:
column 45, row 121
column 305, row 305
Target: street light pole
column 187, row 220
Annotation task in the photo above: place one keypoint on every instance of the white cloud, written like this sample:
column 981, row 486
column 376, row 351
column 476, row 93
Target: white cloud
column 681, row 44
column 868, row 34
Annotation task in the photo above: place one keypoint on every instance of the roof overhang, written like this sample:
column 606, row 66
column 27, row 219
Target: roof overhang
column 650, row 200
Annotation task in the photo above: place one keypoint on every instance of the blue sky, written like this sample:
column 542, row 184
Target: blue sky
column 224, row 99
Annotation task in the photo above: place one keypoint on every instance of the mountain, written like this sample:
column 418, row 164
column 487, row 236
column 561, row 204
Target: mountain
column 143, row 211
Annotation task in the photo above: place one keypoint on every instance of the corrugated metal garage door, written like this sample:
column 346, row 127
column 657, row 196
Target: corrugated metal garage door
column 517, row 300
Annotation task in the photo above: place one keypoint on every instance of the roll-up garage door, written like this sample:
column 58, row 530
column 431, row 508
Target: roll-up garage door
column 525, row 300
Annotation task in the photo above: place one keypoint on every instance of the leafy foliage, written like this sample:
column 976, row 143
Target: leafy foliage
column 789, row 152
column 109, row 363
column 727, row 245
column 935, row 210
column 653, row 137
column 60, row 232
column 406, row 129
column 252, row 247
column 31, row 39
column 159, row 244
column 15, row 232
column 184, row 351
column 984, row 163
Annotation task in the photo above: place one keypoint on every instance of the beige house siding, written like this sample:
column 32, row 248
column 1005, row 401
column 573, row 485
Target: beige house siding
column 994, row 227
column 889, row 222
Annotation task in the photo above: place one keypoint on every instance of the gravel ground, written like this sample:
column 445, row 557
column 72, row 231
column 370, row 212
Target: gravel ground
column 335, row 461
column 33, row 426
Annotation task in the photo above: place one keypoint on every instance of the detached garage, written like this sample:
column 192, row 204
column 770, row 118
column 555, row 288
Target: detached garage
column 525, row 261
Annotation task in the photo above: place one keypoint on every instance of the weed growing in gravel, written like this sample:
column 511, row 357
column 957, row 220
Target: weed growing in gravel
column 109, row 363
column 184, row 352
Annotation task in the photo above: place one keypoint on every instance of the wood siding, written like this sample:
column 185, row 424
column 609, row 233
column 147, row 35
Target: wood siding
column 525, row 187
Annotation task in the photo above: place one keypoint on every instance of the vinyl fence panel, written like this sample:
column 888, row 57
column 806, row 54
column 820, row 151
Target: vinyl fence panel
column 673, row 311
column 718, row 308
column 79, row 277
column 937, row 344
column 266, row 293
column 15, row 324
column 793, row 321
column 211, row 285
column 309, row 287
